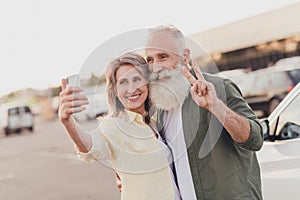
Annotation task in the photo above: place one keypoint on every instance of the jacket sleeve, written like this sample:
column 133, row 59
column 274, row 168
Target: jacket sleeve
column 100, row 150
column 238, row 104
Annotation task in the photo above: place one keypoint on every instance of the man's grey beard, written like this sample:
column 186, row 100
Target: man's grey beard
column 170, row 93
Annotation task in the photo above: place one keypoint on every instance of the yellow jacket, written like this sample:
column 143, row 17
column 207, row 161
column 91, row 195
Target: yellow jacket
column 130, row 147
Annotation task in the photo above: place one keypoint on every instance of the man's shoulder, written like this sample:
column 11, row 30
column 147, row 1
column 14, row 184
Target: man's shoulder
column 213, row 77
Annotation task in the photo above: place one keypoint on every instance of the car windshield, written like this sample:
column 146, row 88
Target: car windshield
column 295, row 75
column 13, row 111
column 289, row 114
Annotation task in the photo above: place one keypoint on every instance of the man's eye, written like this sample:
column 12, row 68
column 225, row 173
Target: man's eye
column 149, row 60
column 163, row 56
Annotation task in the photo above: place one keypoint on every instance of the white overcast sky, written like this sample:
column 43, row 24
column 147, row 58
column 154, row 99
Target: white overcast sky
column 43, row 41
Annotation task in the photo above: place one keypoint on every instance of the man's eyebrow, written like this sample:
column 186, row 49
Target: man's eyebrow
column 158, row 54
column 163, row 53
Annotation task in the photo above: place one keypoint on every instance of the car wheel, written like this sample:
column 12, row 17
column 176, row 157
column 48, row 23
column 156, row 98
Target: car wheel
column 18, row 131
column 30, row 128
column 7, row 131
column 273, row 104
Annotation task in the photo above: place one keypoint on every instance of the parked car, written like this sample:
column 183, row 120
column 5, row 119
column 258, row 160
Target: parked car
column 236, row 75
column 97, row 104
column 19, row 118
column 291, row 61
column 284, row 122
column 264, row 89
column 279, row 157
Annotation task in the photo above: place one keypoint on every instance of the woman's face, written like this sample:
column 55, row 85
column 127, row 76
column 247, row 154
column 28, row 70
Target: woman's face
column 132, row 88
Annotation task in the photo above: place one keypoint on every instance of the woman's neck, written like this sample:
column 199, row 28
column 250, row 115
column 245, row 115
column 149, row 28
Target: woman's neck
column 140, row 111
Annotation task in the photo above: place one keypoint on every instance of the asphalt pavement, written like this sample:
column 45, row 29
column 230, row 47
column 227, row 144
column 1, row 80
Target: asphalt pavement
column 43, row 166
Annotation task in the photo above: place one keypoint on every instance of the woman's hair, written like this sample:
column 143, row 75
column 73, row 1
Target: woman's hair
column 115, row 107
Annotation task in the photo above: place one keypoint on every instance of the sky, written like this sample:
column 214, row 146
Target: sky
column 42, row 41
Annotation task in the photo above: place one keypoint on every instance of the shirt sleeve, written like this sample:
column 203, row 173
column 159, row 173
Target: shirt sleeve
column 238, row 104
column 100, row 149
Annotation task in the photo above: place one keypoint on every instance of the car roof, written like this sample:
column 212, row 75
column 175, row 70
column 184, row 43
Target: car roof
column 23, row 106
column 275, row 69
column 288, row 61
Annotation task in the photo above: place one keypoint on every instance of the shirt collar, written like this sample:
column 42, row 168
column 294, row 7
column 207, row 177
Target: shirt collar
column 133, row 116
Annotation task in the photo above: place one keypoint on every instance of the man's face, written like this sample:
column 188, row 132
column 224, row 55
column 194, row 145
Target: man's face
column 162, row 52
column 168, row 86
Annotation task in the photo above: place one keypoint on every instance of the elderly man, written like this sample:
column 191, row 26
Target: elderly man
column 212, row 131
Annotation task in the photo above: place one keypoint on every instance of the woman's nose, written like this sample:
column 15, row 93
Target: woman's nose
column 132, row 88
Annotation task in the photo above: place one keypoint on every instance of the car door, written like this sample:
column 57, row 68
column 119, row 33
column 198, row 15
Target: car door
column 280, row 159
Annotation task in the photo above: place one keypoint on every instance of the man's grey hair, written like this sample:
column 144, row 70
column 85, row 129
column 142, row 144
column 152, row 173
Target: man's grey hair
column 176, row 33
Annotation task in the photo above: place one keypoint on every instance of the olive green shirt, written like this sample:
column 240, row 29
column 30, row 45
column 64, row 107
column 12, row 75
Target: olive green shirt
column 222, row 169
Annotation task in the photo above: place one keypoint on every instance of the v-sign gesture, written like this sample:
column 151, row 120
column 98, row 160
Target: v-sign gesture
column 202, row 91
column 204, row 94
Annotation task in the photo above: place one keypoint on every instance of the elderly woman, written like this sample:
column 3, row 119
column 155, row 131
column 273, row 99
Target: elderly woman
column 126, row 139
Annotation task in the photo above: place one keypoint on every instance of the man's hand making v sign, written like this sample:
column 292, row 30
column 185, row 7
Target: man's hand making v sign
column 204, row 94
column 202, row 91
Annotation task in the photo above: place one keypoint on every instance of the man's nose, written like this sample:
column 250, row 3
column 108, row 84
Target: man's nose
column 156, row 68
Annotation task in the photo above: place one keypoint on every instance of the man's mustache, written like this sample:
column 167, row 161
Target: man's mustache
column 165, row 73
column 156, row 76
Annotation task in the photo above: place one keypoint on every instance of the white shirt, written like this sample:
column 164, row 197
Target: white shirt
column 175, row 138
column 170, row 160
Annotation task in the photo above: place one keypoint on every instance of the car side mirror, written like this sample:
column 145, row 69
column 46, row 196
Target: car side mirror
column 266, row 131
column 289, row 131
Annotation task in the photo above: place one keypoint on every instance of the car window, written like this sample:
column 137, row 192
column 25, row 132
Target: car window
column 27, row 109
column 13, row 111
column 290, row 114
column 295, row 75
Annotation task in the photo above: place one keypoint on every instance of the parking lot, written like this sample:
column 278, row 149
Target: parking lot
column 43, row 165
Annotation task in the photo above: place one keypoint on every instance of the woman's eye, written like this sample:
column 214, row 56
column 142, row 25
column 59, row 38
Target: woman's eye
column 137, row 79
column 122, row 82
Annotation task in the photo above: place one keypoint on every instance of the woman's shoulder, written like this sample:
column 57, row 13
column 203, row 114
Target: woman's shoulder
column 106, row 121
column 110, row 124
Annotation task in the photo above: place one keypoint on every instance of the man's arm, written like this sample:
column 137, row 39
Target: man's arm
column 236, row 125
column 243, row 130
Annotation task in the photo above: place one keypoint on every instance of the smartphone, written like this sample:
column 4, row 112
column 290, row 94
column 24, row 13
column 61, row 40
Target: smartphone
column 73, row 81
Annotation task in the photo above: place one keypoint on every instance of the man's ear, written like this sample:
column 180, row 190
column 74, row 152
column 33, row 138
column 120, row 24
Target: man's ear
column 186, row 55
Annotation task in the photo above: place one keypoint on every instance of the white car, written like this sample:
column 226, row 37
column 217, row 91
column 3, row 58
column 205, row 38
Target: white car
column 97, row 104
column 279, row 157
column 236, row 75
column 19, row 118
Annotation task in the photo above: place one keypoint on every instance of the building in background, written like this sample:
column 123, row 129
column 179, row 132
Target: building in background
column 254, row 43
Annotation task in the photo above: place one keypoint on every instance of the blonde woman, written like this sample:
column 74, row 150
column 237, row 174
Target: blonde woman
column 126, row 139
